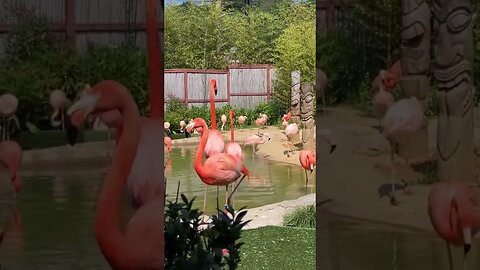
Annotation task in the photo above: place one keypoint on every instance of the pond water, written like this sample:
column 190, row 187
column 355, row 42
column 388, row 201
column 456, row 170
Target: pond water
column 347, row 244
column 271, row 182
column 51, row 225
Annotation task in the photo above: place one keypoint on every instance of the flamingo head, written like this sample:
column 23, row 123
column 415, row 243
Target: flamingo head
column 102, row 97
column 467, row 219
column 267, row 136
column 197, row 123
column 213, row 84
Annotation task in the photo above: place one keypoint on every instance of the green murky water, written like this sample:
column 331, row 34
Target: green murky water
column 346, row 244
column 271, row 181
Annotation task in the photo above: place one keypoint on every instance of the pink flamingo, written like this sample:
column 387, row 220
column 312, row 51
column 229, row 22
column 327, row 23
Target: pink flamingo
column 399, row 124
column 291, row 130
column 261, row 121
column 58, row 101
column 241, row 119
column 382, row 99
column 389, row 80
column 453, row 209
column 220, row 169
column 8, row 107
column 234, row 148
column 216, row 142
column 223, row 119
column 308, row 160
column 182, row 125
column 167, row 141
column 140, row 246
column 255, row 140
column 10, row 158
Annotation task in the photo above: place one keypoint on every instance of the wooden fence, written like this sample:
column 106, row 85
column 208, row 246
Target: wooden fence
column 239, row 85
column 81, row 22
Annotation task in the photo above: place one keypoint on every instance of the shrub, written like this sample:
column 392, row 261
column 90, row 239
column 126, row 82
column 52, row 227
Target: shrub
column 304, row 217
column 186, row 247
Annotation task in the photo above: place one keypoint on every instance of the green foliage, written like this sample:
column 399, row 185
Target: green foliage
column 38, row 61
column 186, row 247
column 177, row 110
column 303, row 217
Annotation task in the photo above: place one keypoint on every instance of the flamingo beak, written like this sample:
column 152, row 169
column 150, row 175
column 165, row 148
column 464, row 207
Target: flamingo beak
column 467, row 239
column 215, row 90
column 77, row 114
column 332, row 148
column 189, row 127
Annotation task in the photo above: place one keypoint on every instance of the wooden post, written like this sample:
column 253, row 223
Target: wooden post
column 268, row 83
column 70, row 21
column 295, row 97
column 185, row 87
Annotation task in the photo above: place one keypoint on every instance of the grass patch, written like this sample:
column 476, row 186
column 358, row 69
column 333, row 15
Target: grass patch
column 303, row 217
column 278, row 248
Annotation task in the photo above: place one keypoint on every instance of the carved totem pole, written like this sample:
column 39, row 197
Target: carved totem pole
column 452, row 23
column 307, row 116
column 295, row 94
column 415, row 65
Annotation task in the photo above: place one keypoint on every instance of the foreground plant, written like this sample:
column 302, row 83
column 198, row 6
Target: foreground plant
column 189, row 247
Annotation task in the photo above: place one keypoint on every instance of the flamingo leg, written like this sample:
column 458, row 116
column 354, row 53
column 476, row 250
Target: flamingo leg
column 236, row 186
column 205, row 198
column 227, row 198
column 450, row 259
column 62, row 119
column 306, row 178
column 393, row 200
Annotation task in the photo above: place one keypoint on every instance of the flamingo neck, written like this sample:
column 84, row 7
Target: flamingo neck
column 107, row 218
column 213, row 115
column 155, row 62
column 232, row 132
column 197, row 164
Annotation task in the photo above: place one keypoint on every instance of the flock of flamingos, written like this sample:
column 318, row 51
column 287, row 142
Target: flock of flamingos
column 224, row 161
column 453, row 208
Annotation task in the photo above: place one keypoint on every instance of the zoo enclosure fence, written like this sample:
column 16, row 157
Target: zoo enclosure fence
column 242, row 86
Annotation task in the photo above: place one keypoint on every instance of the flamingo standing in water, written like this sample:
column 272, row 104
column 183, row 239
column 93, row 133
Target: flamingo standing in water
column 8, row 107
column 10, row 158
column 223, row 119
column 167, row 141
column 220, row 169
column 234, row 148
column 141, row 244
column 58, row 101
column 308, row 160
column 216, row 142
column 255, row 140
column 454, row 212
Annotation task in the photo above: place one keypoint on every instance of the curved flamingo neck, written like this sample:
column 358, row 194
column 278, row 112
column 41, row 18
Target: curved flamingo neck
column 107, row 217
column 155, row 61
column 232, row 132
column 213, row 115
column 197, row 164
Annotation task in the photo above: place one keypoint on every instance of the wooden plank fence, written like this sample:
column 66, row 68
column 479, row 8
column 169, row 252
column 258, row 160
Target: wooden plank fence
column 105, row 22
column 238, row 85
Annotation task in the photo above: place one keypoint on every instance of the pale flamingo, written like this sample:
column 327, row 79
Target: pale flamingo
column 58, row 101
column 166, row 127
column 223, row 119
column 399, row 124
column 260, row 122
column 140, row 246
column 234, row 148
column 382, row 100
column 8, row 107
column 308, row 160
column 255, row 140
column 220, row 169
column 454, row 212
column 241, row 119
column 291, row 130
column 389, row 80
column 10, row 158
column 167, row 141
column 182, row 125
